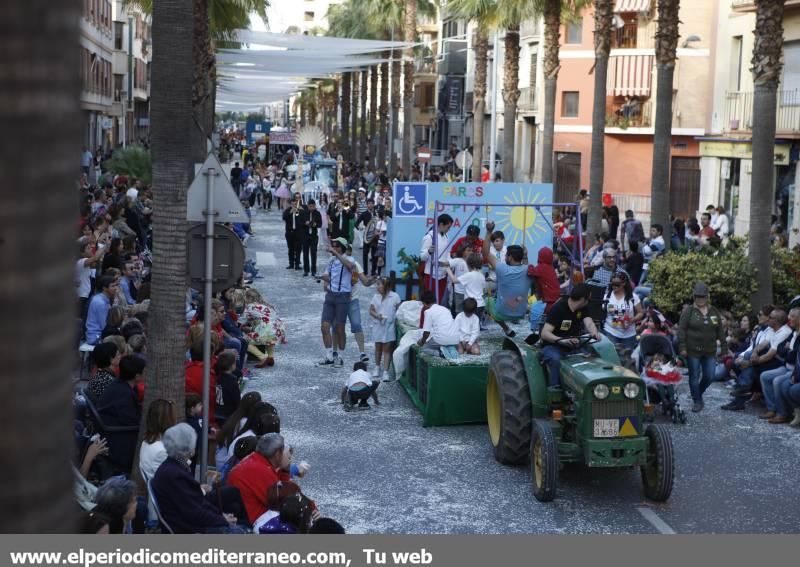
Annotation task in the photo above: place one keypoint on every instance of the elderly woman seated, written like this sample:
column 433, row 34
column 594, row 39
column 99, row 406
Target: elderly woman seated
column 185, row 505
column 116, row 500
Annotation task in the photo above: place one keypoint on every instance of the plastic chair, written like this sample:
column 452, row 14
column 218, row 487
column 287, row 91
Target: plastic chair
column 152, row 499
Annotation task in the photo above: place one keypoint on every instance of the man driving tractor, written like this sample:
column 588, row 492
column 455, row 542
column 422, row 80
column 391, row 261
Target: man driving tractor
column 563, row 326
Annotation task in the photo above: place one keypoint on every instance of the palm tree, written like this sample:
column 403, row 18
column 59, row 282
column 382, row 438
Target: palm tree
column 666, row 46
column 363, row 150
column 37, row 406
column 766, row 68
column 373, row 115
column 355, row 150
column 484, row 13
column 384, row 114
column 344, row 105
column 410, row 34
column 603, row 21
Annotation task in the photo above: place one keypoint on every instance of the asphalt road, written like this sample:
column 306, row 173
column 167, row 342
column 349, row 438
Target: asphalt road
column 380, row 471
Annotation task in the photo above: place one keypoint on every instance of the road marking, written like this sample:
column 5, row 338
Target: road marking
column 659, row 524
column 265, row 258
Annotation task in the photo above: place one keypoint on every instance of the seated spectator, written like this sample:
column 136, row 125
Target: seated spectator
column 513, row 285
column 119, row 406
column 326, row 526
column 161, row 416
column 469, row 328
column 228, row 394
column 194, row 367
column 438, row 324
column 105, row 357
column 99, row 306
column 263, row 419
column 295, row 517
column 771, row 380
column 94, row 523
column 116, row 315
column 127, row 283
column 116, row 499
column 265, row 328
column 241, row 450
column 255, row 474
column 234, row 425
column 545, row 281
column 276, row 496
column 186, row 506
column 131, row 327
column 137, row 345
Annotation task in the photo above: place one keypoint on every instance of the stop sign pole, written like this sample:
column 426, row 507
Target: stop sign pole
column 210, row 174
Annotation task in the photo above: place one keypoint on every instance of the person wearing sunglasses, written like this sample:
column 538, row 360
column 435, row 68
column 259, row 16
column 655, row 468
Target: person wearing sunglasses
column 623, row 311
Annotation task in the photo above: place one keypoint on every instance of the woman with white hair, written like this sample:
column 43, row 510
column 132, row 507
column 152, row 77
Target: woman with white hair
column 186, row 506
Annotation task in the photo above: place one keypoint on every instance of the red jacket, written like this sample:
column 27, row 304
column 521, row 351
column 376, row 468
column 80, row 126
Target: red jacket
column 544, row 275
column 477, row 245
column 194, row 384
column 253, row 477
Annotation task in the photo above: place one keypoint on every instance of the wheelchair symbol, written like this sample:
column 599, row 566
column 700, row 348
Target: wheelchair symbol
column 407, row 204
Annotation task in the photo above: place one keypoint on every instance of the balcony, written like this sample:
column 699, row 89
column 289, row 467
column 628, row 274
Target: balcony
column 630, row 117
column 527, row 102
column 425, row 66
column 739, row 112
column 635, row 34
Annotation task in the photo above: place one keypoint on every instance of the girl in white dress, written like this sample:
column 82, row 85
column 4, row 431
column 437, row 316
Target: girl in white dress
column 383, row 311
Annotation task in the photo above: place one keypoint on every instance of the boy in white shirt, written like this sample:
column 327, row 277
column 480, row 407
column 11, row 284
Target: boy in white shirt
column 473, row 282
column 359, row 387
column 438, row 324
column 459, row 267
column 469, row 328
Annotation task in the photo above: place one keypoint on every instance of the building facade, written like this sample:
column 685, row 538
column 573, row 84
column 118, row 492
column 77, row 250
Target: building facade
column 96, row 73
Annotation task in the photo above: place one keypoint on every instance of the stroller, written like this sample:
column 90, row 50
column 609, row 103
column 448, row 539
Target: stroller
column 661, row 379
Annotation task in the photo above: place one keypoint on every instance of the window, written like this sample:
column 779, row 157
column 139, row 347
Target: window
column 736, row 64
column 308, row 16
column 575, row 31
column 569, row 104
column 534, row 66
column 119, row 34
column 425, row 95
column 791, row 66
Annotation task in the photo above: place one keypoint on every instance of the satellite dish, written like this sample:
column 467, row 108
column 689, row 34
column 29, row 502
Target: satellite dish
column 464, row 160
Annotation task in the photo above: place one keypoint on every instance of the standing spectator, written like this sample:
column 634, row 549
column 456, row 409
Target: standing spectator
column 458, row 267
column 312, row 220
column 86, row 161
column 383, row 310
column 623, row 311
column 634, row 263
column 721, row 224
column 434, row 277
column 85, row 268
column 700, row 329
column 119, row 407
column 472, row 238
column 583, row 198
column 632, row 230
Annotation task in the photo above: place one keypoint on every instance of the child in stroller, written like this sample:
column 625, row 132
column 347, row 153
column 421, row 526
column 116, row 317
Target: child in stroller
column 656, row 364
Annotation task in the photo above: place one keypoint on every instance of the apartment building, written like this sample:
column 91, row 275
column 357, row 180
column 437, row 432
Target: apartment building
column 96, row 73
column 726, row 152
column 132, row 48
column 630, row 106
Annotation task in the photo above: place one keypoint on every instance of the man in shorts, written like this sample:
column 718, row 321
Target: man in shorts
column 339, row 279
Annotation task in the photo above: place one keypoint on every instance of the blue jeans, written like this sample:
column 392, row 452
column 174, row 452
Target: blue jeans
column 551, row 356
column 240, row 347
column 720, row 372
column 697, row 385
column 770, row 385
column 787, row 398
column 354, row 315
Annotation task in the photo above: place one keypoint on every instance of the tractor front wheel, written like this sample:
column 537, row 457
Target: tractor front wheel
column 508, row 408
column 544, row 462
column 658, row 473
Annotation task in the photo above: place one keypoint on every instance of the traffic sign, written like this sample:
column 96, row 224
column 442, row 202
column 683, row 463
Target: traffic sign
column 410, row 199
column 228, row 257
column 226, row 201
column 423, row 155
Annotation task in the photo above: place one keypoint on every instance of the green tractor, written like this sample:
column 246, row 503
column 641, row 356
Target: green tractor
column 595, row 419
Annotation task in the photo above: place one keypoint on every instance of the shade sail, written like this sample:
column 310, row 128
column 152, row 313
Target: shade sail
column 632, row 6
column 328, row 45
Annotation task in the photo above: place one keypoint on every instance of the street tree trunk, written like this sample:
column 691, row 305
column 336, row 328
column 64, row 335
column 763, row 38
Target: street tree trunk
column 603, row 17
column 344, row 144
column 479, row 103
column 373, row 115
column 40, row 93
column 356, row 151
column 203, row 85
column 510, row 98
column 766, row 69
column 335, row 133
column 408, row 85
column 384, row 110
column 552, row 33
column 393, row 165
column 363, row 151
column 173, row 171
column 666, row 46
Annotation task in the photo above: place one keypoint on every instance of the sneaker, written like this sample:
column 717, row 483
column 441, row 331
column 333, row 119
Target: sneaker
column 697, row 407
column 326, row 362
column 796, row 421
column 338, row 363
column 376, row 372
column 780, row 419
column 348, row 406
column 733, row 406
column 767, row 415
column 305, row 274
column 387, row 377
column 290, row 267
column 364, row 358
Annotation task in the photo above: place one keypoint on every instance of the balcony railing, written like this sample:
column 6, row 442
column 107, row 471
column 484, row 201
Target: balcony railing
column 425, row 65
column 739, row 111
column 640, row 116
column 639, row 34
column 527, row 100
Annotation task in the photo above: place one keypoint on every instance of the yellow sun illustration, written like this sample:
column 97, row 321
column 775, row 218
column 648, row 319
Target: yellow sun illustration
column 521, row 225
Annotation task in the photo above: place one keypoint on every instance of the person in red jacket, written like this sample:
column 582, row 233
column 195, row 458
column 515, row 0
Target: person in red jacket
column 260, row 470
column 472, row 238
column 194, row 369
column 545, row 279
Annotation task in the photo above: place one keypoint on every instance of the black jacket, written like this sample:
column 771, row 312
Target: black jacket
column 297, row 225
column 314, row 218
column 119, row 406
column 340, row 223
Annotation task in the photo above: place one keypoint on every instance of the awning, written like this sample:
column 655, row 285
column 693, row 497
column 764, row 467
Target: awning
column 632, row 6
column 630, row 75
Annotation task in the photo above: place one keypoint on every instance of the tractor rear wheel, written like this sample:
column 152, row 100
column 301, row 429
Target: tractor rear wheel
column 544, row 462
column 508, row 408
column 658, row 473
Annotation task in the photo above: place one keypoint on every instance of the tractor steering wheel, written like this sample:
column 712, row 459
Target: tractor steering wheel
column 583, row 340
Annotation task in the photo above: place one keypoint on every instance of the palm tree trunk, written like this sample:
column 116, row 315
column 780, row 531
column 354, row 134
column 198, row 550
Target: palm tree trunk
column 171, row 111
column 479, row 103
column 408, row 84
column 344, row 143
column 766, row 67
column 603, row 16
column 666, row 46
column 510, row 98
column 373, row 115
column 203, row 59
column 393, row 165
column 334, row 119
column 363, row 151
column 552, row 32
column 37, row 339
column 354, row 149
column 384, row 110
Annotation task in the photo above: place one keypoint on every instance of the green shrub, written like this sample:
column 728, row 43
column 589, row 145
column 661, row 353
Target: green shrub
column 785, row 275
column 133, row 162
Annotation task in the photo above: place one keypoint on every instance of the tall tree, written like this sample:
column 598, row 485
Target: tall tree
column 40, row 91
column 362, row 132
column 355, row 150
column 603, row 21
column 172, row 115
column 410, row 34
column 510, row 98
column 373, row 115
column 383, row 127
column 766, row 69
column 666, row 46
column 344, row 147
column 552, row 64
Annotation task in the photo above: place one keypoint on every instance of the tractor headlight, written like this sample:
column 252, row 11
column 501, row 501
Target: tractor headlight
column 631, row 390
column 601, row 391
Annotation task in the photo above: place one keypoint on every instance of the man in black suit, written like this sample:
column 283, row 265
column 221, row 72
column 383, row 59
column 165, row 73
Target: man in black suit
column 312, row 220
column 119, row 407
column 293, row 218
